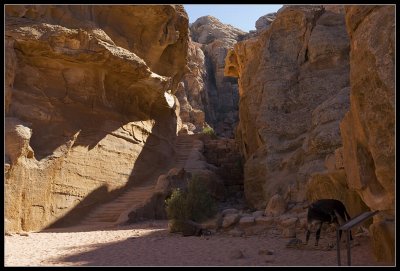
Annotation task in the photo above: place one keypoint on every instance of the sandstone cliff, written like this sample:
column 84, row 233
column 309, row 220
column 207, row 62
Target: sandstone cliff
column 316, row 116
column 205, row 87
column 368, row 128
column 294, row 87
column 192, row 91
column 265, row 21
column 89, row 104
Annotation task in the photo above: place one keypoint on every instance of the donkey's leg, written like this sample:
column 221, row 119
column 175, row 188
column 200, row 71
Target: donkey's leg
column 318, row 234
column 308, row 233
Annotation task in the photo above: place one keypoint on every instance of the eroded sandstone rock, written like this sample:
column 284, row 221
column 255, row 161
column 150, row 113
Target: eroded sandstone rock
column 264, row 21
column 95, row 86
column 368, row 128
column 206, row 88
column 293, row 86
column 276, row 206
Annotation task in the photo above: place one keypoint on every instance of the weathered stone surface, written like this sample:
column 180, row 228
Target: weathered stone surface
column 339, row 158
column 258, row 213
column 212, row 223
column 230, row 211
column 368, row 129
column 303, row 223
column 165, row 38
column 192, row 91
column 220, row 102
column 333, row 185
column 276, row 206
column 95, row 86
column 246, row 221
column 207, row 29
column 265, row 220
column 265, row 21
column 17, row 140
column 293, row 87
column 289, row 222
column 224, row 154
column 175, row 178
column 383, row 240
column 230, row 219
column 335, row 8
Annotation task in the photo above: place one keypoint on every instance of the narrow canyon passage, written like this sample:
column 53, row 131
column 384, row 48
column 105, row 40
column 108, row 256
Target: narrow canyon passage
column 110, row 109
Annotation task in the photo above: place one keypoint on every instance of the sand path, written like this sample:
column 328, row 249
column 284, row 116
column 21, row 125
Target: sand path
column 150, row 244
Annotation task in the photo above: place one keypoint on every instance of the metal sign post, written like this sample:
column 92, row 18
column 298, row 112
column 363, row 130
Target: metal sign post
column 347, row 229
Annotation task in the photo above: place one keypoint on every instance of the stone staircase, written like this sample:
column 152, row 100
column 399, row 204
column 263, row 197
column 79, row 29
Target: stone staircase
column 109, row 213
column 184, row 145
column 116, row 211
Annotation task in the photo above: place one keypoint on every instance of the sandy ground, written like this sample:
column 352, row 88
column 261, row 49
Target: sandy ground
column 150, row 244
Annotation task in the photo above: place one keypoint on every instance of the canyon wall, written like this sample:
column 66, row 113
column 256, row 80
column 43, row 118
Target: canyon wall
column 316, row 112
column 368, row 129
column 192, row 91
column 206, row 94
column 90, row 105
column 294, row 88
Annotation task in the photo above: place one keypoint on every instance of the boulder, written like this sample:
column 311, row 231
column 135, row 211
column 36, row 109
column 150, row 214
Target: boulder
column 230, row 219
column 276, row 206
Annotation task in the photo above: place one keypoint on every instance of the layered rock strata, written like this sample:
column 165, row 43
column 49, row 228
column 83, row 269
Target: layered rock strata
column 293, row 87
column 89, row 104
column 368, row 128
column 205, row 88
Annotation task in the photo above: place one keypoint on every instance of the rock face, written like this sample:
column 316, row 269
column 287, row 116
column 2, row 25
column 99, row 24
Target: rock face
column 192, row 91
column 224, row 154
column 205, row 86
column 265, row 21
column 368, row 128
column 293, row 87
column 276, row 206
column 89, row 104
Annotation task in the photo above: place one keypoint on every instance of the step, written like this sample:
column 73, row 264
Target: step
column 135, row 197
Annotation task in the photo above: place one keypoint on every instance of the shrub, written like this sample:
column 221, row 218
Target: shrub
column 177, row 205
column 209, row 131
column 200, row 204
column 194, row 204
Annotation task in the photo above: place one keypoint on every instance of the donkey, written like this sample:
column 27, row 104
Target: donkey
column 326, row 210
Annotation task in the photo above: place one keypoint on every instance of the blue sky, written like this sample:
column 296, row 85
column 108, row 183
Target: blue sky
column 241, row 16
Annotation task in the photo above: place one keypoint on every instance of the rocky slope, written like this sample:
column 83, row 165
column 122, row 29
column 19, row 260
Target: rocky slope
column 368, row 127
column 89, row 104
column 205, row 88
